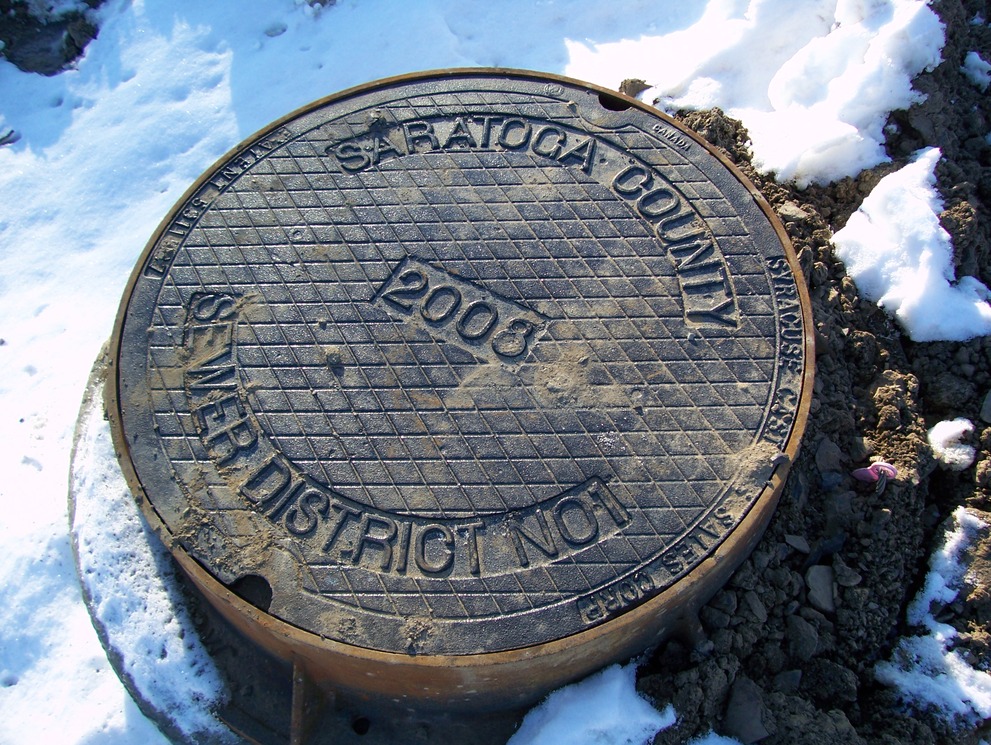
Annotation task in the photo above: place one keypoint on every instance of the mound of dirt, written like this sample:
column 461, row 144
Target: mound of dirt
column 786, row 651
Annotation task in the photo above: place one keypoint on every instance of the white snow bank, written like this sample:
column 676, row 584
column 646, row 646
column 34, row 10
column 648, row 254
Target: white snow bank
column 977, row 70
column 925, row 669
column 812, row 80
column 133, row 591
column 605, row 708
column 945, row 440
column 901, row 258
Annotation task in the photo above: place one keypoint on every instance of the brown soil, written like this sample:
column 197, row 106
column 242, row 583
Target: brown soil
column 776, row 664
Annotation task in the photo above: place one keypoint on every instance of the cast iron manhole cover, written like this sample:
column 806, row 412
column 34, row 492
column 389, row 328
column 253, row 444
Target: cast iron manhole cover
column 462, row 363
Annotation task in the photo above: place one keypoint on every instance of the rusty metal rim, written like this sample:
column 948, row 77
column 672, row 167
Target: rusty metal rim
column 496, row 680
column 562, row 659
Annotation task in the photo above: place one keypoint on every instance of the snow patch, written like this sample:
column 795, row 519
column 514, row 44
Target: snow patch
column 817, row 101
column 977, row 70
column 945, row 440
column 605, row 709
column 901, row 258
column 133, row 592
column 713, row 739
column 925, row 669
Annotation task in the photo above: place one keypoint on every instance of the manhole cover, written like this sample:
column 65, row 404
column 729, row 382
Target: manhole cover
column 462, row 364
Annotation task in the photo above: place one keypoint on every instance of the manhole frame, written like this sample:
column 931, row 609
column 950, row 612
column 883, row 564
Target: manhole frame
column 493, row 680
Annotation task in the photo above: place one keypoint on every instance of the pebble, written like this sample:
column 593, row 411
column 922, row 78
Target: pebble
column 829, row 457
column 819, row 580
column 799, row 489
column 762, row 559
column 725, row 601
column 791, row 212
column 845, row 576
column 714, row 618
column 788, row 681
column 819, row 276
column 803, row 639
column 986, row 409
column 753, row 603
column 745, row 712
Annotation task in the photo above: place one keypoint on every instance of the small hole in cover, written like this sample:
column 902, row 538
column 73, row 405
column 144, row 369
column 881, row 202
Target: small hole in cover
column 253, row 589
column 613, row 103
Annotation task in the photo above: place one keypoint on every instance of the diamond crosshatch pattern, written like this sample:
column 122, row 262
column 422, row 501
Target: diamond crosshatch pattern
column 496, row 382
column 339, row 427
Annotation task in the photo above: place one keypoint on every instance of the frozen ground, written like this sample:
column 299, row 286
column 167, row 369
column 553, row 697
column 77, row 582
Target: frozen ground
column 99, row 153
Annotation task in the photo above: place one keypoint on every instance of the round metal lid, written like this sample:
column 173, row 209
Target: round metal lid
column 461, row 362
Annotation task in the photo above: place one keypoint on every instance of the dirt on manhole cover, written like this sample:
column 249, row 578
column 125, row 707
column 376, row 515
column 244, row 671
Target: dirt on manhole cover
column 464, row 364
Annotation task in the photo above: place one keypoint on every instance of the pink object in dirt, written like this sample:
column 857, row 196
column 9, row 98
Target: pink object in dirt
column 875, row 471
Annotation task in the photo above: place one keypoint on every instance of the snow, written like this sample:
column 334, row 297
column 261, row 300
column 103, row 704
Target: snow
column 132, row 588
column 100, row 153
column 603, row 708
column 977, row 70
column 713, row 739
column 901, row 258
column 925, row 669
column 945, row 441
column 817, row 100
